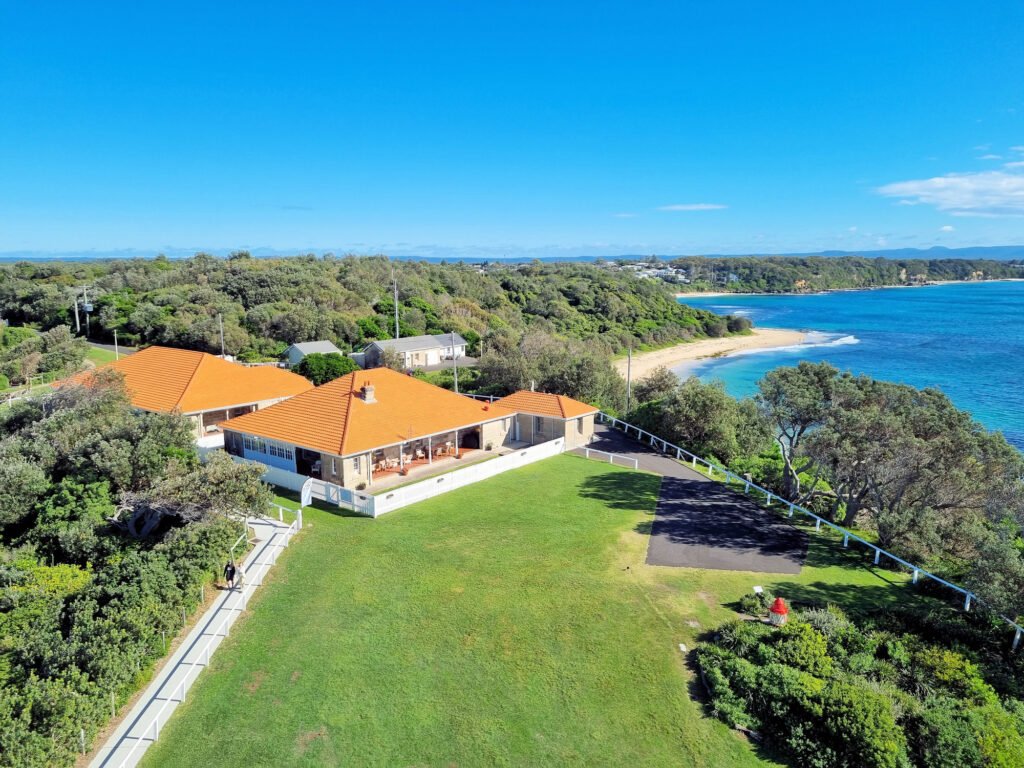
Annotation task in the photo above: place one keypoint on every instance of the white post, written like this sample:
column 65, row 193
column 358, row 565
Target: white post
column 746, row 488
column 967, row 602
column 878, row 554
column 694, row 462
column 846, row 540
column 817, row 524
column 679, row 453
column 430, row 449
column 768, row 499
column 915, row 575
column 1016, row 640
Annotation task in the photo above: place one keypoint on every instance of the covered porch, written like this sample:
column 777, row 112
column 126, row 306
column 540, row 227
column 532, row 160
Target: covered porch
column 421, row 469
column 401, row 459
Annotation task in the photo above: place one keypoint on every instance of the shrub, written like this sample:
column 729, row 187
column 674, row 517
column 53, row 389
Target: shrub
column 756, row 604
column 802, row 646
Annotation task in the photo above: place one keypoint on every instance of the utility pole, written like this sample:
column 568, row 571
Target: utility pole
column 85, row 306
column 629, row 378
column 455, row 365
column 220, row 324
column 117, row 356
column 394, row 282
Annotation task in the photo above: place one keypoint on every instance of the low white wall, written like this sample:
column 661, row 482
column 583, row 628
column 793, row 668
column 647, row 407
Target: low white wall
column 389, row 501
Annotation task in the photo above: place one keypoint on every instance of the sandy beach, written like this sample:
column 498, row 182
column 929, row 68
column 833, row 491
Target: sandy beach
column 670, row 357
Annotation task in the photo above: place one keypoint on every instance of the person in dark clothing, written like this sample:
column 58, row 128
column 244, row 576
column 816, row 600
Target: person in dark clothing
column 229, row 574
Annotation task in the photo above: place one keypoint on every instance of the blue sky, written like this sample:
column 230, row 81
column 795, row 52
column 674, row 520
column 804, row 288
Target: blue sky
column 462, row 129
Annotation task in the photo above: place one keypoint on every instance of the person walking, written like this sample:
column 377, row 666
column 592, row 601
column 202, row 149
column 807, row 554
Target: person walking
column 229, row 574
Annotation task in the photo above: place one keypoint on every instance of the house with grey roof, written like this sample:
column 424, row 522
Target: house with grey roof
column 417, row 351
column 294, row 354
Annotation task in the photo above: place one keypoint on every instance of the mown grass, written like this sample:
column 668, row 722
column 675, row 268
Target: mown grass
column 509, row 623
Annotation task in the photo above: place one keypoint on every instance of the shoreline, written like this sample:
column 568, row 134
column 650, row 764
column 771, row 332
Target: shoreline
column 723, row 294
column 762, row 338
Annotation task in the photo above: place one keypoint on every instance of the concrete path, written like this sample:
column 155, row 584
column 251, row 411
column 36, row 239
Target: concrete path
column 142, row 724
column 700, row 523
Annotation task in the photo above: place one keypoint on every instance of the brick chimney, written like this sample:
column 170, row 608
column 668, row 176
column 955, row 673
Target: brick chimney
column 367, row 392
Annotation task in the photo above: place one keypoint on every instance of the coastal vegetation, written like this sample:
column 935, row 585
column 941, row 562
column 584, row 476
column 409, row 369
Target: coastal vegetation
column 109, row 526
column 267, row 304
column 930, row 483
column 808, row 274
column 898, row 688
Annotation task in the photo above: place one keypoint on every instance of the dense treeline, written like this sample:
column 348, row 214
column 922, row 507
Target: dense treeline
column 933, row 485
column 898, row 688
column 267, row 304
column 778, row 274
column 108, row 526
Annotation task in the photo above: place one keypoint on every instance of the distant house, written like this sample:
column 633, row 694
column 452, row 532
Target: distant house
column 203, row 387
column 417, row 351
column 541, row 416
column 294, row 354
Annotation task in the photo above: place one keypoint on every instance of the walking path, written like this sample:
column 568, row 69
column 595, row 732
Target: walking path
column 142, row 724
column 700, row 523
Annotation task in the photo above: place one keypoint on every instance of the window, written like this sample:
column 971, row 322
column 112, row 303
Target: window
column 334, row 466
column 355, row 465
column 579, row 425
column 538, row 424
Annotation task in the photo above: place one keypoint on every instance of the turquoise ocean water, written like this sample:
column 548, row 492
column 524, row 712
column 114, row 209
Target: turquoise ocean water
column 966, row 339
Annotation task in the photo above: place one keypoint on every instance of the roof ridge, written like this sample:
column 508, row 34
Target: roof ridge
column 184, row 390
column 561, row 405
column 348, row 412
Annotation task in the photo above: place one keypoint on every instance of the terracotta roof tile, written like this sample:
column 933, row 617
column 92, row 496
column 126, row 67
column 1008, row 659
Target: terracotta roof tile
column 166, row 379
column 544, row 404
column 333, row 418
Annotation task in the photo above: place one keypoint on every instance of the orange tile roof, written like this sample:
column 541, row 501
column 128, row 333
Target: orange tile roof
column 544, row 404
column 166, row 379
column 333, row 418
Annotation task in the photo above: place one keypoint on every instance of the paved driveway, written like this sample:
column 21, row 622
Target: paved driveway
column 700, row 523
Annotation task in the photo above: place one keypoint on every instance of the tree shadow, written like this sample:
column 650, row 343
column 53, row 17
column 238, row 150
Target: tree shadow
column 623, row 490
column 855, row 599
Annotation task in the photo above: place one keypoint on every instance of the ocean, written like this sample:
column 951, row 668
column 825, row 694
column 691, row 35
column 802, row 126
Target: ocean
column 966, row 339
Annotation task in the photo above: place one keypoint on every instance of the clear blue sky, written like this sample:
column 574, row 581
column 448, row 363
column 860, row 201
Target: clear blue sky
column 443, row 128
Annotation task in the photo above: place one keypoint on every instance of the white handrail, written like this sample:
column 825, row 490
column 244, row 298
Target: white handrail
column 654, row 440
column 611, row 456
column 185, row 684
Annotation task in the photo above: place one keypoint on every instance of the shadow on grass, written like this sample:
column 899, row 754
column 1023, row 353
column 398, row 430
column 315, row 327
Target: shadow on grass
column 853, row 598
column 623, row 490
column 323, row 506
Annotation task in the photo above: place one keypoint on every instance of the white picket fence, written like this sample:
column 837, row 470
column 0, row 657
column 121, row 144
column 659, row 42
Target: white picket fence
column 684, row 455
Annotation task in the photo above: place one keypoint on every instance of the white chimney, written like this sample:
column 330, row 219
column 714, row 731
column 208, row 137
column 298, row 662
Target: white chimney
column 368, row 390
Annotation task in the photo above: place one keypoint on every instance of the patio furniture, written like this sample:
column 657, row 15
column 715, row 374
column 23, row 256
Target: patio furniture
column 420, row 454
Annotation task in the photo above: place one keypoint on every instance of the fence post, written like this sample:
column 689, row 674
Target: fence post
column 694, row 462
column 791, row 511
column 1016, row 640
column 81, row 735
column 817, row 524
column 768, row 498
column 915, row 575
column 846, row 540
column 679, row 453
column 967, row 602
column 878, row 554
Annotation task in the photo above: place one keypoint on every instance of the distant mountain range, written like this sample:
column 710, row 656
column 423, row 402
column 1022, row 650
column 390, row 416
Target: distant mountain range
column 996, row 252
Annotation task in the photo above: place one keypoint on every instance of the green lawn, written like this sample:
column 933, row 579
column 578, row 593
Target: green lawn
column 494, row 625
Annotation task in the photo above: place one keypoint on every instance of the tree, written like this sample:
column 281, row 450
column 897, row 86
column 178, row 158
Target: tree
column 389, row 358
column 658, row 384
column 320, row 368
column 795, row 401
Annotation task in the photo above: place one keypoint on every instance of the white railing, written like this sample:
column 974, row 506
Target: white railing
column 195, row 666
column 611, row 456
column 669, row 448
column 486, row 398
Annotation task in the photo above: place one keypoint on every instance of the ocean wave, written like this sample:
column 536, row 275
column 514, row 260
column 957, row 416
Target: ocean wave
column 814, row 339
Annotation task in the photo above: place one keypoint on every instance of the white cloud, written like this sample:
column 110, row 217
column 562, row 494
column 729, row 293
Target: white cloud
column 625, row 215
column 946, row 228
column 988, row 193
column 693, row 207
column 851, row 229
column 991, row 157
column 983, row 147
column 1014, row 164
column 882, row 241
column 1017, row 149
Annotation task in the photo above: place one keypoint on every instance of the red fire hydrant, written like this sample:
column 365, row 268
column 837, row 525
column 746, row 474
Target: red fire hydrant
column 778, row 613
